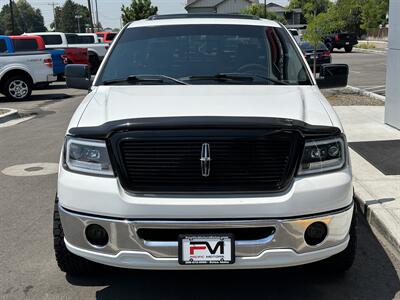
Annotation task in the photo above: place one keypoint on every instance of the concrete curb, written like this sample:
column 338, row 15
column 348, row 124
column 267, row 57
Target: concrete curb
column 366, row 93
column 379, row 218
column 11, row 115
column 383, row 51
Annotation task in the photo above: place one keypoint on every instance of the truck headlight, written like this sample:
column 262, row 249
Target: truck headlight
column 87, row 156
column 323, row 155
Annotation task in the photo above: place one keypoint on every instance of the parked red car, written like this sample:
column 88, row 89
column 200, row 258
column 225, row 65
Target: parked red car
column 107, row 36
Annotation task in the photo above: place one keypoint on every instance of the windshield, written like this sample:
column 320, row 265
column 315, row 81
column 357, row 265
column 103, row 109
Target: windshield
column 186, row 51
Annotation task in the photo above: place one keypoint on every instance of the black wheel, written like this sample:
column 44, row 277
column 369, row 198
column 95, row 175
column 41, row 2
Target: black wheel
column 67, row 261
column 94, row 62
column 348, row 49
column 343, row 261
column 17, row 88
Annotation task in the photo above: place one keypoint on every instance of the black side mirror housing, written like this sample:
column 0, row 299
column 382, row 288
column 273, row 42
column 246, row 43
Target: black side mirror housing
column 78, row 77
column 333, row 76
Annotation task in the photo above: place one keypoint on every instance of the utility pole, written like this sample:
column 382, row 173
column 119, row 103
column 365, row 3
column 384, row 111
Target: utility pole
column 97, row 16
column 12, row 18
column 265, row 9
column 90, row 16
column 54, row 15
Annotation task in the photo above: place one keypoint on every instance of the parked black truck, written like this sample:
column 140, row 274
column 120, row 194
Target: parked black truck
column 341, row 40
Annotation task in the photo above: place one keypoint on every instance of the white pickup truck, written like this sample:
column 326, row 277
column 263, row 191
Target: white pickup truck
column 55, row 40
column 21, row 72
column 205, row 143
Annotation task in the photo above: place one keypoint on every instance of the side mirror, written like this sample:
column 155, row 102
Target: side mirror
column 78, row 77
column 333, row 76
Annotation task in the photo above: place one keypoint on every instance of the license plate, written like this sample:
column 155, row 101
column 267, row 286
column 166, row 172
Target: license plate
column 347, row 43
column 206, row 249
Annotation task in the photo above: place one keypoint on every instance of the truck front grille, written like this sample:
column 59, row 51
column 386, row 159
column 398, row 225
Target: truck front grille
column 234, row 161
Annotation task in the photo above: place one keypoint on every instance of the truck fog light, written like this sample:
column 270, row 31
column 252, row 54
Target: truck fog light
column 315, row 233
column 96, row 235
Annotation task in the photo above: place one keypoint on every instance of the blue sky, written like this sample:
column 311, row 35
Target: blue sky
column 109, row 11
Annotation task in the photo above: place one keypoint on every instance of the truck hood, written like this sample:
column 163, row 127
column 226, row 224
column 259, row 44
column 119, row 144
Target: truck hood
column 111, row 103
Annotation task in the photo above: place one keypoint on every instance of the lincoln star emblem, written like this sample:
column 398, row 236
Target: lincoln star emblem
column 205, row 160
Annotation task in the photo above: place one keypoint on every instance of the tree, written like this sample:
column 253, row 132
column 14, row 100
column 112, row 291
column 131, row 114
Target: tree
column 373, row 14
column 258, row 10
column 65, row 20
column 319, row 25
column 26, row 18
column 349, row 12
column 139, row 9
column 309, row 7
column 29, row 18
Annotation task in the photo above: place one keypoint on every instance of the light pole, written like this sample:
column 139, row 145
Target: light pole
column 78, row 17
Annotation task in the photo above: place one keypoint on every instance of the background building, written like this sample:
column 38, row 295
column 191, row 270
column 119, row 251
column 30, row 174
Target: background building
column 217, row 6
column 293, row 17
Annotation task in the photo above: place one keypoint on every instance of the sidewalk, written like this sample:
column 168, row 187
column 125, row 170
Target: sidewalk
column 378, row 194
column 380, row 46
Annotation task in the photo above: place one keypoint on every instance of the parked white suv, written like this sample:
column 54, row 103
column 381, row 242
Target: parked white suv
column 204, row 143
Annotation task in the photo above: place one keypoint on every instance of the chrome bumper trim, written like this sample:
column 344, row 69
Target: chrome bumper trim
column 289, row 233
column 273, row 258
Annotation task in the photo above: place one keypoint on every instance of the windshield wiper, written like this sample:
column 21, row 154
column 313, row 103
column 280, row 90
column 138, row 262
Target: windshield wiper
column 133, row 79
column 244, row 77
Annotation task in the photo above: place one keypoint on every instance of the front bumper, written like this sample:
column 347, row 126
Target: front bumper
column 102, row 196
column 284, row 247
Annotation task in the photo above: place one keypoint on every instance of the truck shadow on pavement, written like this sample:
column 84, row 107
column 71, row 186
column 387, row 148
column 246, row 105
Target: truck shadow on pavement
column 38, row 97
column 373, row 276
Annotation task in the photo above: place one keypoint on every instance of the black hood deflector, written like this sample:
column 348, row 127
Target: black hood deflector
column 182, row 123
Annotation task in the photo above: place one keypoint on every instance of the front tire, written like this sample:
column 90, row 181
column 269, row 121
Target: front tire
column 94, row 62
column 67, row 261
column 17, row 88
column 348, row 49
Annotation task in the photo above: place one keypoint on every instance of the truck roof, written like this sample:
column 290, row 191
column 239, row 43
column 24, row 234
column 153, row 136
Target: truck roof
column 196, row 19
column 23, row 53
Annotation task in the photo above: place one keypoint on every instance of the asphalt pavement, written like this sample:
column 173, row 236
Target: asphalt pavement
column 28, row 268
column 367, row 70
